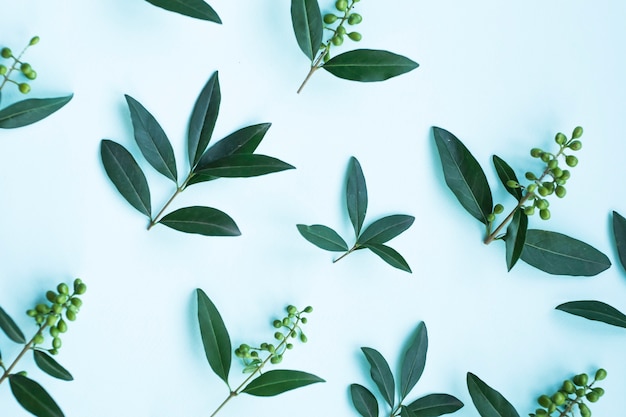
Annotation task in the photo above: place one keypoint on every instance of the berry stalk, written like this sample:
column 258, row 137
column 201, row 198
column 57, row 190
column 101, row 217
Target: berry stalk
column 27, row 347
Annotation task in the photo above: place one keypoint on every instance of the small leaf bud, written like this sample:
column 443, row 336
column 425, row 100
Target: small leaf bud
column 578, row 132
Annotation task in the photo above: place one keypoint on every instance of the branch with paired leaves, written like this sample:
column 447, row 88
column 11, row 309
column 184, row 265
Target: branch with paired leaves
column 49, row 318
column 373, row 237
column 218, row 350
column 29, row 111
column 192, row 8
column 411, row 370
column 572, row 396
column 552, row 252
column 366, row 65
column 231, row 157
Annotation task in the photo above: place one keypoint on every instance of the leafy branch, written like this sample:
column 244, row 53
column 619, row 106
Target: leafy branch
column 48, row 316
column 365, row 65
column 231, row 157
column 551, row 252
column 412, row 367
column 192, row 8
column 373, row 237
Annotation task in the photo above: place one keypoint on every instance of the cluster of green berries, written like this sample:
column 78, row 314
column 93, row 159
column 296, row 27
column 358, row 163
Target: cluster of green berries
column 553, row 179
column 18, row 65
column 61, row 303
column 340, row 32
column 288, row 328
column 572, row 395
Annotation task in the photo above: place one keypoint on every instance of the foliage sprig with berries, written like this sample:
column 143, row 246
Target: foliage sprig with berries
column 571, row 396
column 551, row 252
column 48, row 316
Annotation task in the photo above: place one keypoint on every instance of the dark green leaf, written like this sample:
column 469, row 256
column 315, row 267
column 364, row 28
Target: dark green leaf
column 50, row 366
column 515, row 238
column 10, row 328
column 244, row 165
column 242, row 141
column 364, row 401
column 201, row 220
column 506, row 173
column 214, row 335
column 595, row 310
column 464, row 175
column 368, row 65
column 278, row 381
column 385, row 229
column 29, row 111
column 323, row 237
column 389, row 255
column 33, row 397
column 152, row 140
column 406, row 412
column 203, row 119
column 307, row 25
column 126, row 175
column 381, row 374
column 414, row 361
column 488, row 402
column 559, row 254
column 192, row 8
column 435, row 405
column 356, row 195
column 619, row 231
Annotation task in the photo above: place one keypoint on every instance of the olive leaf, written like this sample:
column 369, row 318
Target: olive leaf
column 50, row 366
column 215, row 338
column 372, row 237
column 192, row 8
column 414, row 361
column 381, row 374
column 595, row 310
column 619, row 232
column 231, row 157
column 307, row 26
column 515, row 238
column 276, row 382
column 363, row 400
column 10, row 328
column 488, row 401
column 33, row 397
column 435, row 405
column 369, row 65
column 506, row 174
column 31, row 110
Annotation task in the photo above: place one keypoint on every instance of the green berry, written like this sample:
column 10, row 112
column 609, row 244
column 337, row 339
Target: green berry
column 530, row 176
column 581, row 380
column 51, row 296
column 491, row 217
column 42, row 308
column 529, row 211
column 303, row 338
column 545, row 157
column 24, row 88
column 304, row 320
column 540, row 412
column 598, row 391
column 31, row 312
column 54, row 331
column 568, row 387
column 80, row 289
column 51, row 320
column 498, row 208
column 279, row 336
column 571, row 160
column 53, row 351
column 39, row 319
column 71, row 315
column 542, row 203
column 531, row 188
column 512, row 184
column 57, row 308
column 558, row 398
column 6, row 53
column 551, row 408
column 38, row 339
column 254, row 354
column 341, row 5
column 578, row 132
column 544, row 214
column 580, row 392
column 276, row 359
column 62, row 288
column 536, row 152
column 77, row 302
column 553, row 164
column 341, row 30
column 560, row 138
column 26, row 68
column 277, row 324
column 3, row 70
column 337, row 40
column 544, row 401
column 592, row 397
column 286, row 321
column 271, row 348
column 291, row 309
column 355, row 19
column 56, row 343
column 560, row 191
column 584, row 410
column 600, row 374
column 289, row 345
column 62, row 326
column 543, row 191
column 61, row 299
column 355, row 36
column 330, row 18
column 575, row 145
column 31, row 75
column 557, row 172
column 34, row 40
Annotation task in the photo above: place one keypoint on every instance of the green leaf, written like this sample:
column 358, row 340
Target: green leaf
column 506, row 173
column 515, row 238
column 278, row 381
column 214, row 335
column 33, row 397
column 307, row 25
column 385, row 229
column 435, row 405
column 595, row 310
column 323, row 237
column 414, row 361
column 10, row 328
column 619, row 231
column 203, row 119
column 244, row 140
column 152, row 140
column 406, row 412
column 559, row 254
column 192, row 8
column 50, row 366
column 464, row 175
column 488, row 402
column 389, row 255
column 29, row 111
column 364, row 401
column 356, row 195
column 243, row 166
column 126, row 175
column 368, row 65
column 205, row 221
column 381, row 374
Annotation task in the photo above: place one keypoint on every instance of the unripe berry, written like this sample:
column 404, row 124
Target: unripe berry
column 276, row 359
column 60, row 299
column 289, row 345
column 39, row 319
column 553, row 164
column 3, row 70
column 34, row 40
column 341, row 30
column 581, row 380
column 560, row 138
column 491, row 217
column 545, row 157
column 498, row 208
column 580, row 392
column 31, row 75
column 292, row 309
column 355, row 19
column 536, row 152
column 26, row 68
column 38, row 339
column 530, row 176
column 557, row 172
column 277, row 324
column 76, row 302
column 531, row 188
column 592, row 397
column 341, row 5
column 54, row 332
column 578, row 132
column 51, row 320
column 355, row 36
column 540, row 412
column 566, row 175
column 543, row 191
column 53, row 351
column 71, row 315
column 600, row 374
column 62, row 326
column 337, row 40
column 6, row 53
column 571, row 160
column 584, row 410
column 512, row 184
column 279, row 336
column 568, row 387
column 529, row 211
column 544, row 214
column 576, row 145
column 552, row 408
column 560, row 191
column 599, row 391
column 51, row 296
column 558, row 399
column 80, row 288
column 330, row 18
column 544, row 401
column 542, row 203
column 42, row 308
column 56, row 343
column 24, row 88
column 303, row 338
column 57, row 308
column 286, row 321
column 31, row 313
column 62, row 288
column 304, row 320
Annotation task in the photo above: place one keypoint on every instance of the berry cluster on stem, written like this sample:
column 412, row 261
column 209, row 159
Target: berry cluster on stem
column 24, row 68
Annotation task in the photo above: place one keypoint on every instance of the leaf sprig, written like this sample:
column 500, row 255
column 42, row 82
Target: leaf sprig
column 218, row 350
column 365, row 65
column 552, row 252
column 192, row 8
column 231, row 157
column 48, row 316
column 373, row 237
column 412, row 367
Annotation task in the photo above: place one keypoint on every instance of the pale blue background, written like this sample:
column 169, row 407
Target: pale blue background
column 503, row 76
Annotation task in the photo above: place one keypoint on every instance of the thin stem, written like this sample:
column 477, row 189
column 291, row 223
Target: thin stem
column 352, row 249
column 179, row 189
column 27, row 347
column 13, row 67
